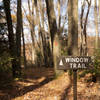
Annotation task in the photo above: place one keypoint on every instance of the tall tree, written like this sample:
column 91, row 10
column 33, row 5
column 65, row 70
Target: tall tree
column 52, row 19
column 99, row 9
column 55, row 34
column 18, row 35
column 23, row 39
column 10, row 36
column 59, row 16
column 32, row 23
column 83, row 25
column 96, row 25
column 99, row 17
column 72, row 27
column 73, row 37
column 3, row 40
column 41, row 29
column 45, row 44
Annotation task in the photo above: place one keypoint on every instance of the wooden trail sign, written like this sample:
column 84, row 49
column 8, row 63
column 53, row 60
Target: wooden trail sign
column 75, row 63
column 78, row 62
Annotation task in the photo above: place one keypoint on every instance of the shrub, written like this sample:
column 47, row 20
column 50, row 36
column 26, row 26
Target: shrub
column 5, row 62
column 95, row 72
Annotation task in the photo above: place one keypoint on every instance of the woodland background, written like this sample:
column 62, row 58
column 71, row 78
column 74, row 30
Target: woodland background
column 33, row 33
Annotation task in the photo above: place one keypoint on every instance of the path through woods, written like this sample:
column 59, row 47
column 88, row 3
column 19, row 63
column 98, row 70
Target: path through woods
column 39, row 84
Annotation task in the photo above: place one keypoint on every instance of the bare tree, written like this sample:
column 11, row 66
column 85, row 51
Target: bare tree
column 54, row 33
column 24, row 52
column 99, row 9
column 99, row 15
column 96, row 24
column 72, row 27
column 59, row 15
column 12, row 46
column 73, row 37
column 18, row 35
column 83, row 22
column 32, row 23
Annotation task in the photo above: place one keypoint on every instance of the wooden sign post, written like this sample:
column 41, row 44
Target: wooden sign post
column 74, row 63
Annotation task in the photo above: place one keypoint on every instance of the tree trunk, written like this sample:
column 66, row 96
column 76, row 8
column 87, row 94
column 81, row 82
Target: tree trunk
column 99, row 9
column 32, row 23
column 83, row 39
column 96, row 25
column 73, row 38
column 54, row 34
column 73, row 27
column 24, row 53
column 18, row 35
column 12, row 46
column 99, row 18
column 59, row 16
column 52, row 19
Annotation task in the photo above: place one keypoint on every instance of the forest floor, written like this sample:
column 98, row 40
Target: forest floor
column 40, row 84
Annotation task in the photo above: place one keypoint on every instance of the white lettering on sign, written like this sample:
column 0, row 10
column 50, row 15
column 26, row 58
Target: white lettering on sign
column 79, row 65
column 81, row 60
column 86, row 59
column 77, row 60
column 61, row 63
column 74, row 65
column 67, row 59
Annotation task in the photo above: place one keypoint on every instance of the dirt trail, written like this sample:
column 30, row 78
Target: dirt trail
column 42, row 86
column 39, row 84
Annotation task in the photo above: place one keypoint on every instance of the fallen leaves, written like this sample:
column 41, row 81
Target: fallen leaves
column 38, row 85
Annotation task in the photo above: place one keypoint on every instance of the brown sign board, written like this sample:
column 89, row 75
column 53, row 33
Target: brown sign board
column 78, row 62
